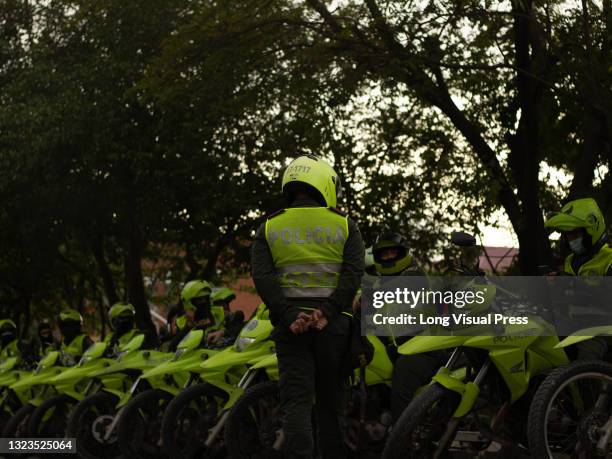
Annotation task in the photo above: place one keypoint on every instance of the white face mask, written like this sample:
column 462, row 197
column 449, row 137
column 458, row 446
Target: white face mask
column 577, row 246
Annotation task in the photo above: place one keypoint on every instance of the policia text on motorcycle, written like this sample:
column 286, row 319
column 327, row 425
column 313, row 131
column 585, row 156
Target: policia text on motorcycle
column 307, row 263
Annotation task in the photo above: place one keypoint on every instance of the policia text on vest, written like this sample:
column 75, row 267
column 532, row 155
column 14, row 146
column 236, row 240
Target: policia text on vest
column 308, row 257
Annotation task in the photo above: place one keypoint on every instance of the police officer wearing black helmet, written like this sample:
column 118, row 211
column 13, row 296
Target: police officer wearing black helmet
column 392, row 258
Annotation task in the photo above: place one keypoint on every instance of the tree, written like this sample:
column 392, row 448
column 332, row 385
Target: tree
column 492, row 72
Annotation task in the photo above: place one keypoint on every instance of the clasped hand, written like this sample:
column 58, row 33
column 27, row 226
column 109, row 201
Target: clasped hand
column 305, row 322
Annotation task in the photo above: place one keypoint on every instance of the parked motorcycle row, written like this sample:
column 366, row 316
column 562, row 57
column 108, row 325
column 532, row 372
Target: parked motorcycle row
column 516, row 396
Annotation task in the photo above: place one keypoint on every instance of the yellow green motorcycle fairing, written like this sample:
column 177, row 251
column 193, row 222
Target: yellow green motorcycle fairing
column 523, row 351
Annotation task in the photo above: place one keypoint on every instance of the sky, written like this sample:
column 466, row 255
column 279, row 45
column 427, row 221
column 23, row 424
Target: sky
column 503, row 235
column 499, row 237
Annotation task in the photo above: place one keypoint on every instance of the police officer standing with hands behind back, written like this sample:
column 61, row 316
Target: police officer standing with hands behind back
column 307, row 263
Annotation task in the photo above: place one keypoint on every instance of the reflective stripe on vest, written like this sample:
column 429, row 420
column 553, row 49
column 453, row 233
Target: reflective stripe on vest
column 307, row 246
column 596, row 266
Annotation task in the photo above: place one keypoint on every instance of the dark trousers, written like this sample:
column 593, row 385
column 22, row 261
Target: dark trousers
column 310, row 370
column 409, row 373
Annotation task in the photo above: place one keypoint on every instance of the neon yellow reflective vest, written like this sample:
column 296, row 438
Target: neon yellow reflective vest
column 123, row 339
column 181, row 322
column 10, row 350
column 596, row 266
column 73, row 351
column 307, row 246
column 218, row 314
column 48, row 348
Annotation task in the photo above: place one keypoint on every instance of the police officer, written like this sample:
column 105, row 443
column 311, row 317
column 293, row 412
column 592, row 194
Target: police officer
column 46, row 341
column 168, row 333
column 582, row 227
column 195, row 299
column 392, row 258
column 74, row 342
column 231, row 322
column 10, row 344
column 307, row 262
column 122, row 318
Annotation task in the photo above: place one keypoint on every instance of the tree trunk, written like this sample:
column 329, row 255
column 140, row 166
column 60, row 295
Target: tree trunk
column 192, row 263
column 135, row 285
column 209, row 270
column 98, row 298
column 110, row 288
column 524, row 159
column 24, row 302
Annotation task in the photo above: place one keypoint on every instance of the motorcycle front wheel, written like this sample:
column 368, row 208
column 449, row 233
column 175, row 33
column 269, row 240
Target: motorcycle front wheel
column 89, row 422
column 188, row 420
column 418, row 431
column 254, row 423
column 569, row 411
column 17, row 426
column 139, row 427
column 50, row 419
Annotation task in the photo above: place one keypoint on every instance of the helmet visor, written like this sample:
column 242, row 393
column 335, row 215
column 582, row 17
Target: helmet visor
column 389, row 254
column 201, row 301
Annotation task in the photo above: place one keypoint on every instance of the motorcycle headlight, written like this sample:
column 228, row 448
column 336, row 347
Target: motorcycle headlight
column 242, row 342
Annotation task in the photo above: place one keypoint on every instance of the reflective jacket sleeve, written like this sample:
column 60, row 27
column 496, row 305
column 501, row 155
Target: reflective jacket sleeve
column 353, row 265
column 266, row 281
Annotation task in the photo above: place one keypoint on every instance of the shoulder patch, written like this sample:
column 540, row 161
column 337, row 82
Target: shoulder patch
column 275, row 214
column 337, row 211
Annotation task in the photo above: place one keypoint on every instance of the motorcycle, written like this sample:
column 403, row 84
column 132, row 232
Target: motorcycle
column 488, row 405
column 11, row 400
column 32, row 389
column 254, row 425
column 49, row 419
column 194, row 420
column 93, row 420
column 139, row 426
column 570, row 414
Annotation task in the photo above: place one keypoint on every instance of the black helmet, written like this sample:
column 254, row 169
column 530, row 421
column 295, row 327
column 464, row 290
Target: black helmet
column 391, row 240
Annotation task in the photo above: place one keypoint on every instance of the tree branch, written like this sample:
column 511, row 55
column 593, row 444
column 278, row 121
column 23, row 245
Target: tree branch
column 329, row 19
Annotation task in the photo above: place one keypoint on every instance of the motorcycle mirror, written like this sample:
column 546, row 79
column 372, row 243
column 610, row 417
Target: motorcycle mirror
column 463, row 239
